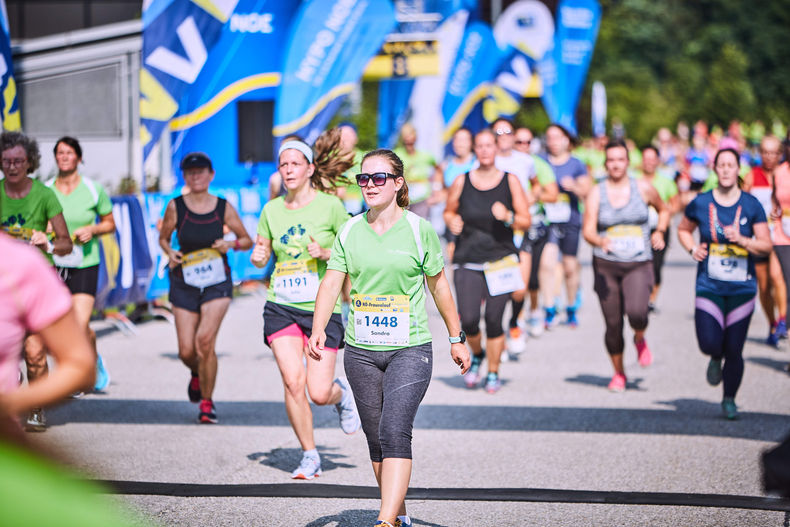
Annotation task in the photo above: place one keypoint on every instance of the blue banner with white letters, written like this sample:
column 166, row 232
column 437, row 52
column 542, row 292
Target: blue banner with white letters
column 177, row 36
column 477, row 62
column 563, row 70
column 244, row 67
column 9, row 102
column 394, row 95
column 330, row 43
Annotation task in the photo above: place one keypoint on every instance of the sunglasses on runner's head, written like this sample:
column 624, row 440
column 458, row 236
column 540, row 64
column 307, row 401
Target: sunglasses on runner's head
column 379, row 178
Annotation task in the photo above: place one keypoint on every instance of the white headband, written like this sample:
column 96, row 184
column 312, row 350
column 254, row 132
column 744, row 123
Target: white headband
column 297, row 145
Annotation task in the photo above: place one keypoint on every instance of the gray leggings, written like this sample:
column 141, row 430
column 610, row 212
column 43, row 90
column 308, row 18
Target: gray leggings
column 388, row 387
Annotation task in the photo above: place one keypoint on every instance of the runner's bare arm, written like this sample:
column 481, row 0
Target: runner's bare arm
column 451, row 217
column 686, row 230
column 68, row 343
column 166, row 232
column 328, row 291
column 440, row 290
column 521, row 216
column 590, row 220
column 232, row 220
column 261, row 252
column 62, row 243
column 106, row 225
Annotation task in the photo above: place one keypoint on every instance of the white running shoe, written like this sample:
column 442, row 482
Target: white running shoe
column 347, row 410
column 309, row 468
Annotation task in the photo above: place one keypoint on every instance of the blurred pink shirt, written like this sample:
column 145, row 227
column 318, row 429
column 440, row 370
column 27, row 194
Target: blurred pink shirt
column 31, row 298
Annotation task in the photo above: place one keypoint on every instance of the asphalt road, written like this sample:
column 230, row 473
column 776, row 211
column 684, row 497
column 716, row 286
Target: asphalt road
column 552, row 426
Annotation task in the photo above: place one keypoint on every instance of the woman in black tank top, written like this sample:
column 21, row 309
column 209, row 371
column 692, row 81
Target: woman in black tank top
column 200, row 282
column 483, row 208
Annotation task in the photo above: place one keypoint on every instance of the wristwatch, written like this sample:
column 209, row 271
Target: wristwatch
column 460, row 338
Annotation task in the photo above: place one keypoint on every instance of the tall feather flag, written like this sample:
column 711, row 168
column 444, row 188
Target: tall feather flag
column 9, row 102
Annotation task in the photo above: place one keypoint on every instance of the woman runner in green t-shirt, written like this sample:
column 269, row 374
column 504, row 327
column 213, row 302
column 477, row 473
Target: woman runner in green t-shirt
column 26, row 207
column 83, row 201
column 388, row 253
column 300, row 228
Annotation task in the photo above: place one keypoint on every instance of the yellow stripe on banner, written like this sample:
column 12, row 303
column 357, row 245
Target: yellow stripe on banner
column 477, row 95
column 210, row 7
column 337, row 91
column 223, row 98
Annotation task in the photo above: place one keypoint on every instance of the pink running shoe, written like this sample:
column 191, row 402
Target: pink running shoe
column 617, row 384
column 643, row 352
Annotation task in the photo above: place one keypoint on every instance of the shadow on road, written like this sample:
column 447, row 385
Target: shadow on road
column 778, row 365
column 687, row 417
column 597, row 380
column 356, row 517
column 287, row 459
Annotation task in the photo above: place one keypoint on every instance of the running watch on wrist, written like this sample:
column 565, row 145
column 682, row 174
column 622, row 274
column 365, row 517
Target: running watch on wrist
column 460, row 338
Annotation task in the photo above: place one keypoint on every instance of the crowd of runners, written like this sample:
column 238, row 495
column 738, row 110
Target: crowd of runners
column 511, row 209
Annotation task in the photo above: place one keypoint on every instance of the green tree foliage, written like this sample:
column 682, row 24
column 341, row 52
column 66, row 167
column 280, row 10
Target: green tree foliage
column 715, row 60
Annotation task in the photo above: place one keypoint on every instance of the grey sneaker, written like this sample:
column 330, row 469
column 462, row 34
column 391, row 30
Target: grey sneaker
column 36, row 421
column 714, row 372
column 347, row 410
column 309, row 468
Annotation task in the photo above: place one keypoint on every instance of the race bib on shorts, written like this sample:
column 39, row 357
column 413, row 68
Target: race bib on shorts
column 560, row 211
column 295, row 281
column 73, row 259
column 203, row 268
column 503, row 276
column 381, row 320
column 727, row 262
column 626, row 241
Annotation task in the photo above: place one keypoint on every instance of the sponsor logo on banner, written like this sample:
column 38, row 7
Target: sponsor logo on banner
column 329, row 45
column 177, row 35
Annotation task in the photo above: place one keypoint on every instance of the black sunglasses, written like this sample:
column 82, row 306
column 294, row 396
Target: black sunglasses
column 379, row 178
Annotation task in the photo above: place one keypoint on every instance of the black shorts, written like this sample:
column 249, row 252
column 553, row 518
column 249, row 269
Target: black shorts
column 566, row 236
column 80, row 281
column 191, row 298
column 277, row 317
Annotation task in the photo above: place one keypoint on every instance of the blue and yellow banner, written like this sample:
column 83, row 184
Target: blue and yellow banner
column 177, row 36
column 243, row 70
column 471, row 78
column 9, row 102
column 330, row 43
column 563, row 70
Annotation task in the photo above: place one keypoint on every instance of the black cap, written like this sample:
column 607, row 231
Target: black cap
column 196, row 160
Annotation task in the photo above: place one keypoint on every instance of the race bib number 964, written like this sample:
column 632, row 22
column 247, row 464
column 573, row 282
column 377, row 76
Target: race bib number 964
column 203, row 268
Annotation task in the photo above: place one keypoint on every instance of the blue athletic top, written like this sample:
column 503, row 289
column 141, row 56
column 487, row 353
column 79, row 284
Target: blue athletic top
column 454, row 169
column 575, row 168
column 732, row 270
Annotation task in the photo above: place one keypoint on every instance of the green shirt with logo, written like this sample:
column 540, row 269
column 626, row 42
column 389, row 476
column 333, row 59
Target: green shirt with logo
column 20, row 217
column 290, row 231
column 389, row 264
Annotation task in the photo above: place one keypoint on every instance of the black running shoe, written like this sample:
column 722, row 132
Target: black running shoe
column 208, row 414
column 193, row 389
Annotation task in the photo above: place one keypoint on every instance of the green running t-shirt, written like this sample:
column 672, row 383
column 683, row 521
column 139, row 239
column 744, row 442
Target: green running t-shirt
column 417, row 171
column 290, row 231
column 80, row 208
column 20, row 217
column 388, row 264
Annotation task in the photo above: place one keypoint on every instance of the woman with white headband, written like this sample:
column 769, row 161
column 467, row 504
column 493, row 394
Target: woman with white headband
column 299, row 228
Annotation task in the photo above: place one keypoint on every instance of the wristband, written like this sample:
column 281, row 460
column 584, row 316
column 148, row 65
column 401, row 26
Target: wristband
column 692, row 250
column 236, row 244
column 509, row 223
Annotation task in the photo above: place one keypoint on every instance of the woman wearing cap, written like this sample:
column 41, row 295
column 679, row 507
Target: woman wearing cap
column 83, row 200
column 200, row 283
column 388, row 253
column 732, row 230
column 26, row 207
column 299, row 229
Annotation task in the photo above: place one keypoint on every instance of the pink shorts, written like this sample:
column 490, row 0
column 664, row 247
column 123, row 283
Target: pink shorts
column 293, row 331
